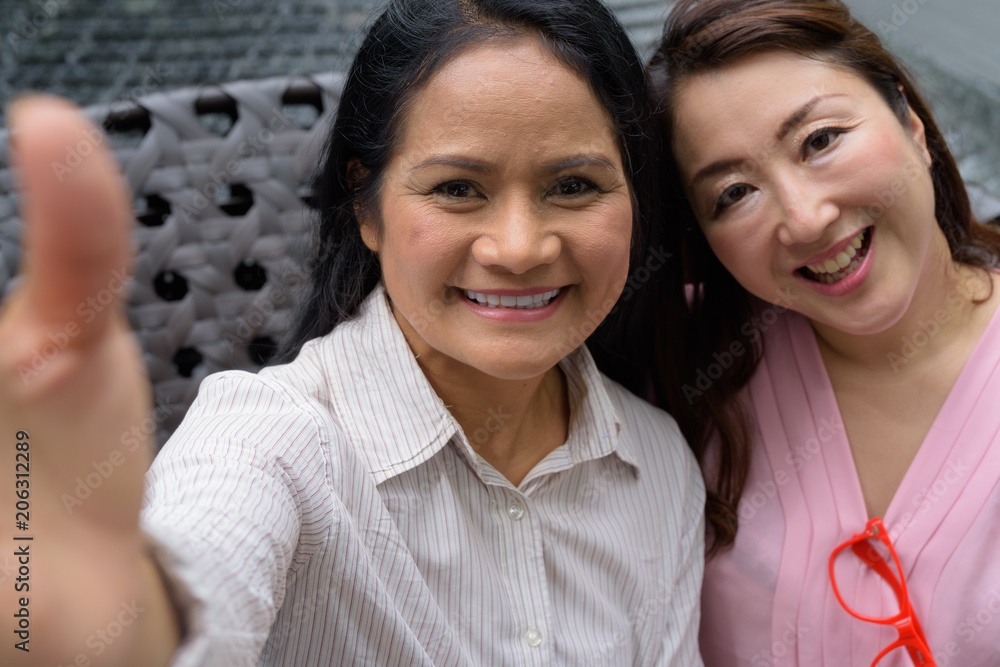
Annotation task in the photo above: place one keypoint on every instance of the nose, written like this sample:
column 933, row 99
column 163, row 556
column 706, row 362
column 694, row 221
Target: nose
column 516, row 239
column 807, row 210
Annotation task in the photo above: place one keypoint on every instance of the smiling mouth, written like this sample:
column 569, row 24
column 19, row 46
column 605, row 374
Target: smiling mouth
column 526, row 302
column 844, row 264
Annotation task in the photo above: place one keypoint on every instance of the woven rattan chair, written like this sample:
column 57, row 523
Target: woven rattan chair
column 220, row 177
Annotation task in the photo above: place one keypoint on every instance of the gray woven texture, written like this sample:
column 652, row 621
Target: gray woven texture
column 220, row 179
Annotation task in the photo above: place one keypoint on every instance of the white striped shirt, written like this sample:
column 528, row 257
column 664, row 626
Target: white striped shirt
column 332, row 512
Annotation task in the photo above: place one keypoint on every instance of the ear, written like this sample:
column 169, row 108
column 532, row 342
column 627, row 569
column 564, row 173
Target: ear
column 369, row 230
column 915, row 127
column 368, row 227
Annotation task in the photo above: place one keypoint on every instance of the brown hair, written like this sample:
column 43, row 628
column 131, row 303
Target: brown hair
column 702, row 35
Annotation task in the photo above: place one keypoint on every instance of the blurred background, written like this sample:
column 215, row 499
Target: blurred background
column 97, row 51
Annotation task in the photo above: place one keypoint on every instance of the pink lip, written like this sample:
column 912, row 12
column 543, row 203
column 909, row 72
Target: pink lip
column 851, row 282
column 514, row 314
column 835, row 250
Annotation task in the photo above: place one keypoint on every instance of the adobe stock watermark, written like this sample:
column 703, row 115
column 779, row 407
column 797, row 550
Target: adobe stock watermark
column 59, row 340
column 102, row 638
column 753, row 330
column 968, row 629
column 31, row 22
column 922, row 502
column 152, row 78
column 655, row 260
column 248, row 149
column 781, row 647
column 577, row 335
column 94, row 137
column 911, row 345
column 888, row 196
column 756, row 497
column 650, row 607
column 584, row 502
column 102, row 470
column 268, row 300
column 902, row 12
column 494, row 421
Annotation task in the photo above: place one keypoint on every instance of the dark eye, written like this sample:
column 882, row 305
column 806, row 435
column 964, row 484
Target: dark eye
column 731, row 195
column 573, row 187
column 456, row 189
column 820, row 140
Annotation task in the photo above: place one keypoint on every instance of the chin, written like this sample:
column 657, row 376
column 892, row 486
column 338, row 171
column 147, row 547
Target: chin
column 514, row 365
column 513, row 372
column 876, row 323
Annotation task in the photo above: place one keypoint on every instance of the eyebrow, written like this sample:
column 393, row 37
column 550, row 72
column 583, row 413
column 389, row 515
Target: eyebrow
column 800, row 115
column 452, row 161
column 790, row 124
column 483, row 167
column 580, row 161
column 719, row 167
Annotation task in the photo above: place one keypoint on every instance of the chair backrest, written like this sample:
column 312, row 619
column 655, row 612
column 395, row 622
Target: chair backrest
column 221, row 181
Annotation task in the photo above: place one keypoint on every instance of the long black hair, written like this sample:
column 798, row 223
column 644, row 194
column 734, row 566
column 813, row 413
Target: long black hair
column 409, row 42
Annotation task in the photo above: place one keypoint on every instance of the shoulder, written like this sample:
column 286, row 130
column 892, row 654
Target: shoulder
column 655, row 437
column 280, row 412
column 639, row 412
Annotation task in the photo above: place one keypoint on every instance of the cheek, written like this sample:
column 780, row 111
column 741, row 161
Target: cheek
column 419, row 246
column 734, row 244
column 885, row 171
column 746, row 253
column 605, row 246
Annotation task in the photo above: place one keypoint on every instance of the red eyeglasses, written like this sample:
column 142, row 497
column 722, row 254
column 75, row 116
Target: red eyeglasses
column 875, row 550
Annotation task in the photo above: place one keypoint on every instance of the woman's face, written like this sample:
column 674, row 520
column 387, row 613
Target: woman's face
column 505, row 215
column 809, row 189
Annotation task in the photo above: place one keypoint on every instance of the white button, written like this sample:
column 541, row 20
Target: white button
column 515, row 511
column 533, row 636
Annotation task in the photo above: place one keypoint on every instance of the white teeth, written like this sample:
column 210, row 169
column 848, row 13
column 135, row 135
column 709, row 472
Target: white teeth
column 527, row 302
column 848, row 259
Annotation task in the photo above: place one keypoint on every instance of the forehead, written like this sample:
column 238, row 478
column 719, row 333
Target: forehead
column 509, row 87
column 751, row 98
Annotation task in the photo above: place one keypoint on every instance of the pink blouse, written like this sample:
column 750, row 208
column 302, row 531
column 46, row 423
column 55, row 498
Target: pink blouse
column 769, row 601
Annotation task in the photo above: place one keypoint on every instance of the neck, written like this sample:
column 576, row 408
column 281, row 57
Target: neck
column 512, row 423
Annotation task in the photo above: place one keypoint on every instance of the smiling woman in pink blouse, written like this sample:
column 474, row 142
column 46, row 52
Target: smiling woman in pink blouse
column 840, row 374
column 437, row 473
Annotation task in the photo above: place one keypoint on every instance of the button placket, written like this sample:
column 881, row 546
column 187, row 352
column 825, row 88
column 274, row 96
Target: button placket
column 522, row 540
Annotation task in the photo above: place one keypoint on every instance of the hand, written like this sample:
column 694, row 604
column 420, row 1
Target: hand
column 73, row 387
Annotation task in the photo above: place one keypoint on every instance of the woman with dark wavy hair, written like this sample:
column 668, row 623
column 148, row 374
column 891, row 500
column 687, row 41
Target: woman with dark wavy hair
column 437, row 473
column 841, row 356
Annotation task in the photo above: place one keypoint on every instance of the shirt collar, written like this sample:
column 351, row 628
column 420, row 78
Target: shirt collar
column 399, row 424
